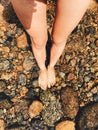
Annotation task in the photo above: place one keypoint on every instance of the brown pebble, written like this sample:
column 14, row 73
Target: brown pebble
column 22, row 41
column 66, row 125
column 71, row 76
column 6, row 49
column 1, row 124
column 96, row 42
column 19, row 68
column 23, row 91
column 35, row 108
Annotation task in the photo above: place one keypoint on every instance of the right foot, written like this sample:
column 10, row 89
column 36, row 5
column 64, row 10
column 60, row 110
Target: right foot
column 42, row 80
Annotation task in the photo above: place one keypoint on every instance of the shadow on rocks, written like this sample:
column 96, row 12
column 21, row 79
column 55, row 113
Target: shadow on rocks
column 9, row 14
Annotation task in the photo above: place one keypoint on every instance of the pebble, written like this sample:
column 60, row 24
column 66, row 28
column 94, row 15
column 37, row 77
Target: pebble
column 66, row 125
column 5, row 49
column 71, row 76
column 86, row 79
column 35, row 83
column 4, row 64
column 69, row 102
column 22, row 41
column 28, row 63
column 22, row 79
column 96, row 42
column 2, row 85
column 23, row 91
column 95, row 96
column 5, row 104
column 35, row 108
column 62, row 75
column 2, row 124
column 38, row 124
column 7, row 76
column 30, row 93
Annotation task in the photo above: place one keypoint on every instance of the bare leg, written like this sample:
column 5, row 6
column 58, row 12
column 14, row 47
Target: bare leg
column 68, row 15
column 32, row 14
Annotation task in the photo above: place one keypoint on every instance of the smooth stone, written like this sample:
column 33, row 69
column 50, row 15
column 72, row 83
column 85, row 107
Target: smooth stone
column 66, row 125
column 62, row 75
column 35, row 108
column 71, row 76
column 2, row 124
column 22, row 41
column 4, row 64
column 28, row 63
column 22, row 79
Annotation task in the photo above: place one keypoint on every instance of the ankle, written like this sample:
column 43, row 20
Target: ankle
column 50, row 66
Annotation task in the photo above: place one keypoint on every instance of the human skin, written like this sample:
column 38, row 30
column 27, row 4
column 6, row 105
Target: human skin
column 32, row 14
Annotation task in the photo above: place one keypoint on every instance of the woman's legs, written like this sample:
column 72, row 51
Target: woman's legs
column 68, row 15
column 32, row 14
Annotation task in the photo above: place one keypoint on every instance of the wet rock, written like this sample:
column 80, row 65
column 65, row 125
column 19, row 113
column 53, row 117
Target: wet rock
column 30, row 93
column 71, row 76
column 15, row 126
column 4, row 64
column 95, row 96
column 62, row 75
column 5, row 101
column 3, row 96
column 88, row 117
column 7, row 76
column 22, row 79
column 23, row 91
column 66, row 125
column 5, row 104
column 96, row 42
column 28, row 63
column 35, row 83
column 5, row 49
column 86, row 79
column 2, row 85
column 37, row 124
column 22, row 41
column 2, row 124
column 20, row 105
column 35, row 108
column 51, row 108
column 69, row 101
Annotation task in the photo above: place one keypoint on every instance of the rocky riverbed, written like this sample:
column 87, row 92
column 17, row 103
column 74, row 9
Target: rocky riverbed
column 72, row 104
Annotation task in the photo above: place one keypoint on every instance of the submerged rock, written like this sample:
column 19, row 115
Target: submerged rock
column 28, row 63
column 37, row 124
column 69, row 101
column 51, row 108
column 87, row 118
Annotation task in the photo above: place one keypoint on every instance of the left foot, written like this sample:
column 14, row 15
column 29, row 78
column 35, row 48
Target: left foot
column 42, row 80
column 51, row 76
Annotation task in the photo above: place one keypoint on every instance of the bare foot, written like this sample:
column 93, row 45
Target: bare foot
column 51, row 76
column 42, row 80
